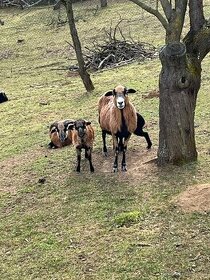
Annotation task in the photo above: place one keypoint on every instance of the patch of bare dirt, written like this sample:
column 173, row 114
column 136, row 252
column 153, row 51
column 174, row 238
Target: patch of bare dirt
column 13, row 170
column 6, row 54
column 140, row 164
column 195, row 198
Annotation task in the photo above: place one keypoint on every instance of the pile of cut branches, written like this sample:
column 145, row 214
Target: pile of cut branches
column 115, row 50
column 116, row 53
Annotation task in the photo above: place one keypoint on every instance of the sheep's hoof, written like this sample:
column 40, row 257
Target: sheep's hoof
column 115, row 169
column 105, row 154
column 124, row 168
column 149, row 147
column 78, row 170
column 92, row 170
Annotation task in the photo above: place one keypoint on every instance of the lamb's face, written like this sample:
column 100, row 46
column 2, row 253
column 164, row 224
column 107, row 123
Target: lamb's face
column 81, row 127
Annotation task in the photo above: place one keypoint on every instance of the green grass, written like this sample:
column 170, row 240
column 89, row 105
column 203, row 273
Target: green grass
column 90, row 226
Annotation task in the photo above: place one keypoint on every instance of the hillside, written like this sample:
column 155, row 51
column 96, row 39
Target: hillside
column 92, row 226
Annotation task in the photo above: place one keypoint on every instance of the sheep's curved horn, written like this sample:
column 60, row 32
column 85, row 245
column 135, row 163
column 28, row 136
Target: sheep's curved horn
column 54, row 125
column 67, row 122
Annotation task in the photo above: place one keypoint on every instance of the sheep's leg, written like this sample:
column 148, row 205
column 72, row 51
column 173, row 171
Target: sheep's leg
column 88, row 152
column 52, row 146
column 120, row 145
column 104, row 142
column 124, row 166
column 146, row 136
column 149, row 142
column 78, row 159
column 115, row 143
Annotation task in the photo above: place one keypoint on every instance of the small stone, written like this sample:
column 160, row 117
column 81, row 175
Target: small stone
column 42, row 180
column 176, row 275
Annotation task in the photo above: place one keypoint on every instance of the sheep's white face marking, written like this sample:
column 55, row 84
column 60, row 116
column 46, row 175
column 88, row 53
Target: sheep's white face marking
column 120, row 100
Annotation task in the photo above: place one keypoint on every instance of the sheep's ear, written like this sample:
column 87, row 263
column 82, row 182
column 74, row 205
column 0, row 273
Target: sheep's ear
column 109, row 93
column 87, row 123
column 130, row 90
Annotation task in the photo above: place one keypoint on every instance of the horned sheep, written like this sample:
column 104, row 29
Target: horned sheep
column 60, row 134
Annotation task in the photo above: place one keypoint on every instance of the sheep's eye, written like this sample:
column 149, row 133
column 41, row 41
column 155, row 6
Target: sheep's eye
column 54, row 130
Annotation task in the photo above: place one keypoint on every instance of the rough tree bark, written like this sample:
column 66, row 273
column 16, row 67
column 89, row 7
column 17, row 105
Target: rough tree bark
column 179, row 84
column 78, row 49
column 180, row 77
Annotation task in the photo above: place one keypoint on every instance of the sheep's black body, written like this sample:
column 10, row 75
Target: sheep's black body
column 3, row 97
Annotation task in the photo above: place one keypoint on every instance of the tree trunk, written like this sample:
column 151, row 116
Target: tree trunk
column 77, row 46
column 103, row 3
column 179, row 84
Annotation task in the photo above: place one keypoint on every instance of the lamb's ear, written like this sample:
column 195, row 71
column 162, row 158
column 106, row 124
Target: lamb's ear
column 130, row 90
column 109, row 93
column 87, row 123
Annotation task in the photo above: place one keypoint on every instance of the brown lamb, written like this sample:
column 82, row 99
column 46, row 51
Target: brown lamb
column 83, row 138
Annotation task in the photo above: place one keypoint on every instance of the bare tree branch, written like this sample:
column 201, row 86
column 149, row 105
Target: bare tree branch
column 196, row 14
column 21, row 3
column 152, row 11
column 167, row 8
column 180, row 7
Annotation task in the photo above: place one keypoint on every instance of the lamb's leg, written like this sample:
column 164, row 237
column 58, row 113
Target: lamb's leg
column 78, row 159
column 104, row 142
column 88, row 152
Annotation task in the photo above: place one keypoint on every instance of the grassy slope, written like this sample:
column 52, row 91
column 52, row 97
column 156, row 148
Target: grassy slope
column 71, row 226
